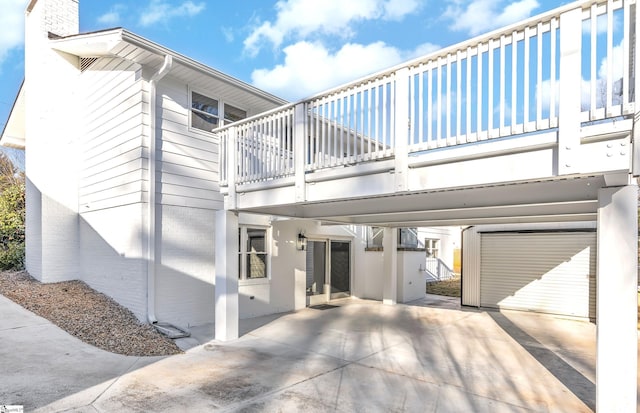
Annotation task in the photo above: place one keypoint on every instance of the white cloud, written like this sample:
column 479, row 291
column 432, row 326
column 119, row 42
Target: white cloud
column 113, row 16
column 310, row 68
column 12, row 23
column 479, row 16
column 601, row 24
column 617, row 66
column 227, row 33
column 159, row 10
column 397, row 9
column 110, row 18
column 304, row 17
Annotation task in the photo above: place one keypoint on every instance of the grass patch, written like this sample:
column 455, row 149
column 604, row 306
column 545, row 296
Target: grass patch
column 450, row 288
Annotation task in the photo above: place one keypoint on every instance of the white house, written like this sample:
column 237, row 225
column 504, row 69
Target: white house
column 192, row 197
column 121, row 103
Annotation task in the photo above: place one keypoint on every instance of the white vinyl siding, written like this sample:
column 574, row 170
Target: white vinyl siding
column 550, row 272
column 188, row 160
column 114, row 151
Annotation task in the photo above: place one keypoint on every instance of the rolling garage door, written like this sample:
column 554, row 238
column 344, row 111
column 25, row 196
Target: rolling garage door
column 552, row 272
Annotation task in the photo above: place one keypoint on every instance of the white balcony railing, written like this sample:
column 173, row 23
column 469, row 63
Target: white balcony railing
column 568, row 67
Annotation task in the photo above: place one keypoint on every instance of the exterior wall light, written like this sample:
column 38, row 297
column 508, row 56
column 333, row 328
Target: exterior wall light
column 301, row 242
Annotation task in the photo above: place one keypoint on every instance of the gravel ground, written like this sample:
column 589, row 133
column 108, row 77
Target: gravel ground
column 87, row 314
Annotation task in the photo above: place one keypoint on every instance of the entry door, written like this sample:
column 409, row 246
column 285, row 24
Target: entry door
column 340, row 269
column 316, row 261
column 328, row 270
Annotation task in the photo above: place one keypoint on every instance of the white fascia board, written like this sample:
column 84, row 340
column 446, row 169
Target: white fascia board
column 96, row 44
column 105, row 43
column 148, row 45
column 13, row 133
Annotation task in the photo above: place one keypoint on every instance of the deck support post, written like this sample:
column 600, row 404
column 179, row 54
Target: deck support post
column 570, row 92
column 401, row 130
column 617, row 278
column 300, row 137
column 390, row 257
column 226, row 267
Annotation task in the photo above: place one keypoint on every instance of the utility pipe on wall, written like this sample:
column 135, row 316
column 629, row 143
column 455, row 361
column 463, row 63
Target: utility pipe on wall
column 151, row 224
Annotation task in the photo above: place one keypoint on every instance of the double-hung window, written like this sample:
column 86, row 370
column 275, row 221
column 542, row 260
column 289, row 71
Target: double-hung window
column 253, row 253
column 206, row 111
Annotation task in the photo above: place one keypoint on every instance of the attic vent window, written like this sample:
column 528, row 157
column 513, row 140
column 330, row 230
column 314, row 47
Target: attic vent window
column 85, row 62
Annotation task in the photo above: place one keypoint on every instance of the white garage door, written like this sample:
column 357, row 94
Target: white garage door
column 551, row 272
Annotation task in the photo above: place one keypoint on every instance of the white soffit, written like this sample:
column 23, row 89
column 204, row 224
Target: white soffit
column 95, row 44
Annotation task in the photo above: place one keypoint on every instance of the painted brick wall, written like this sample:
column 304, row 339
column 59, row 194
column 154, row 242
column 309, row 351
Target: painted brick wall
column 60, row 16
column 185, row 270
column 112, row 251
column 52, row 130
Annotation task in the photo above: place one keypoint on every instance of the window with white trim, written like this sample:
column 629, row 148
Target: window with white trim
column 253, row 262
column 408, row 237
column 433, row 247
column 375, row 237
column 205, row 112
column 233, row 114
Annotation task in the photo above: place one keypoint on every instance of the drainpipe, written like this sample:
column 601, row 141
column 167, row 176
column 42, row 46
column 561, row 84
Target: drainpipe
column 151, row 227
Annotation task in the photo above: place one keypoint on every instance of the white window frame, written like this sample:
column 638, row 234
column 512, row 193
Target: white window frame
column 431, row 245
column 375, row 237
column 224, row 108
column 191, row 110
column 242, row 254
column 221, row 110
column 413, row 233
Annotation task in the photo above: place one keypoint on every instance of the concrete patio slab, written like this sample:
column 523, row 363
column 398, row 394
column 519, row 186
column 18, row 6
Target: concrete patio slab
column 360, row 356
column 42, row 364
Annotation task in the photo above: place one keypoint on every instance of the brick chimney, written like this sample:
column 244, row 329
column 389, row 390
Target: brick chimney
column 52, row 127
column 58, row 17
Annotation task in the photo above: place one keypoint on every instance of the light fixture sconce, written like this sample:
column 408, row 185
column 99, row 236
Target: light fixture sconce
column 301, row 242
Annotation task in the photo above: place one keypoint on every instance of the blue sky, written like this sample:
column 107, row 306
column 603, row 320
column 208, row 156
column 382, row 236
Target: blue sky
column 291, row 48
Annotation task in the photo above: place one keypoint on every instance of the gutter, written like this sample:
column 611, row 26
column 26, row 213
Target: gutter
column 151, row 224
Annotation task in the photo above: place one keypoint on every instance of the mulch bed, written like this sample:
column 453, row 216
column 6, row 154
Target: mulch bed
column 86, row 314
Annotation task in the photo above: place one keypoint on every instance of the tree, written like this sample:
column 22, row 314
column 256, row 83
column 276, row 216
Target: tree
column 12, row 215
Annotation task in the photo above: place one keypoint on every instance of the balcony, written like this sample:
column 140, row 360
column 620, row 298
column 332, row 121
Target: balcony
column 524, row 123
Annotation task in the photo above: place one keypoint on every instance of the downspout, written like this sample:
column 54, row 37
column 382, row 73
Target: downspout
column 151, row 224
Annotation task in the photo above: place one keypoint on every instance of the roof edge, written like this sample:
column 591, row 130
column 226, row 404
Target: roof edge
column 195, row 65
column 17, row 142
column 153, row 47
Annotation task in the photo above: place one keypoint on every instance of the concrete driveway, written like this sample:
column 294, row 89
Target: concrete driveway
column 360, row 356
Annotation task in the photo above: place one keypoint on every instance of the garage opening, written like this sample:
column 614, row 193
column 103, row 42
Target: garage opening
column 543, row 271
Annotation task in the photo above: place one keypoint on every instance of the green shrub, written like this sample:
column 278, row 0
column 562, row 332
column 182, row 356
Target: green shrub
column 12, row 258
column 12, row 233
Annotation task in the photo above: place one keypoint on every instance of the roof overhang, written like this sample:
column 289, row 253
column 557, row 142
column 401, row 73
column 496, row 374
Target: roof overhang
column 95, row 44
column 117, row 42
column 13, row 134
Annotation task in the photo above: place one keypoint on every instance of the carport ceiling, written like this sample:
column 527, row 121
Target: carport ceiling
column 574, row 199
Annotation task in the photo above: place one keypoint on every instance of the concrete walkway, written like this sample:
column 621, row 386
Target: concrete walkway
column 360, row 356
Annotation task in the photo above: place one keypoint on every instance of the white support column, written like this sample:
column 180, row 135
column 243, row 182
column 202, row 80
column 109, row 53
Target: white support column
column 617, row 335
column 226, row 296
column 570, row 92
column 390, row 257
column 299, row 148
column 401, row 130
